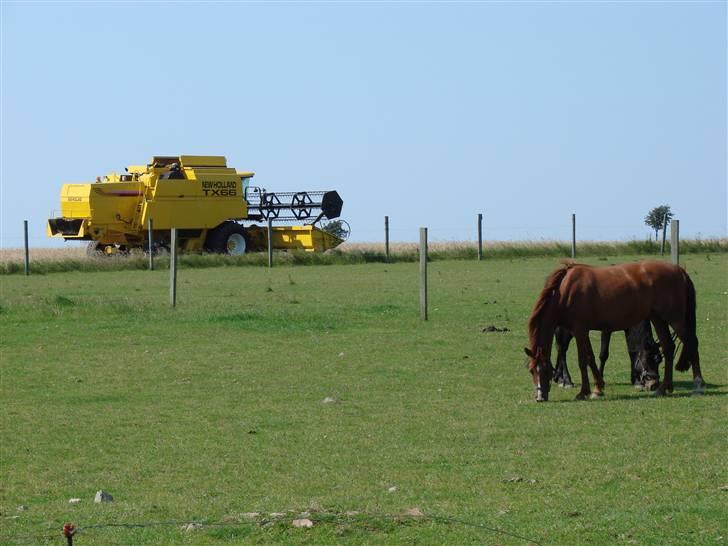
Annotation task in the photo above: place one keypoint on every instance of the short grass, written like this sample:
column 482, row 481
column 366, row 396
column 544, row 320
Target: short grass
column 214, row 409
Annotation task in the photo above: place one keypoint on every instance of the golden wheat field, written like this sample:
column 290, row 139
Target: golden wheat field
column 76, row 252
column 73, row 256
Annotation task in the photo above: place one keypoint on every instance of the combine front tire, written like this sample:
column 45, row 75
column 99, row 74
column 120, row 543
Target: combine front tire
column 227, row 238
column 96, row 249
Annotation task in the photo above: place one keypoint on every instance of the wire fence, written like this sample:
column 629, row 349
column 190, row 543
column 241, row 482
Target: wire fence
column 71, row 533
column 587, row 229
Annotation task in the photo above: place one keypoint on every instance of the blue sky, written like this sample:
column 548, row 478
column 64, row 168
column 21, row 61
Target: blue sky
column 427, row 112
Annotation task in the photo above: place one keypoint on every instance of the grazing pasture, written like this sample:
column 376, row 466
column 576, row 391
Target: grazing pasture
column 216, row 409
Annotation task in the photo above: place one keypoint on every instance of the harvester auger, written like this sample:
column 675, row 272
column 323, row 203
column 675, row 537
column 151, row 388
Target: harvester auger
column 200, row 196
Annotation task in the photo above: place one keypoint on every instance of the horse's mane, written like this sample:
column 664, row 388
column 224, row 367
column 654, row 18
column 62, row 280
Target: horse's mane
column 550, row 289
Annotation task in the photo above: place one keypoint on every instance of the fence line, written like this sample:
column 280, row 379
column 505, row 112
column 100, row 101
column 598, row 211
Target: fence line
column 423, row 273
column 173, row 268
column 72, row 532
column 675, row 241
column 27, row 254
column 480, row 236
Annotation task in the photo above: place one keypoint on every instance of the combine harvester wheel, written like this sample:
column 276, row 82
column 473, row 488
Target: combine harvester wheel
column 95, row 249
column 228, row 238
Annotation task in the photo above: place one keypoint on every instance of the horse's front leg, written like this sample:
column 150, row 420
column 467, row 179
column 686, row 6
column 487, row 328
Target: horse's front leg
column 562, row 376
column 586, row 358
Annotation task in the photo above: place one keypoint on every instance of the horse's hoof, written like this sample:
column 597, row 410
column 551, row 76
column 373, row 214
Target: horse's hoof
column 580, row 396
column 596, row 395
column 659, row 392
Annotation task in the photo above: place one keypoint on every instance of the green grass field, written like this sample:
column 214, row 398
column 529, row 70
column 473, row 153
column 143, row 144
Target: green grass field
column 214, row 409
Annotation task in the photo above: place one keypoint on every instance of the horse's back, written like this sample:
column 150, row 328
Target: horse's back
column 619, row 296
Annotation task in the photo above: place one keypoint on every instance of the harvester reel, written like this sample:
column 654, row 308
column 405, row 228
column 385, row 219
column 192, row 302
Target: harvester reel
column 293, row 205
column 302, row 205
column 270, row 205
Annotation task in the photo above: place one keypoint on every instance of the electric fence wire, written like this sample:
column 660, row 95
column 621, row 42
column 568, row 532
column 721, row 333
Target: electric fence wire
column 320, row 518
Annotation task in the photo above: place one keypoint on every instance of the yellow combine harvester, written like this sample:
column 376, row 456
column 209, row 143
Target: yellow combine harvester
column 200, row 196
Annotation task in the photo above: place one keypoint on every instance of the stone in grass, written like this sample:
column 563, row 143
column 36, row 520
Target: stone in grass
column 103, row 496
column 74, row 501
column 192, row 527
column 414, row 512
column 302, row 523
column 392, row 489
column 329, row 400
column 22, row 508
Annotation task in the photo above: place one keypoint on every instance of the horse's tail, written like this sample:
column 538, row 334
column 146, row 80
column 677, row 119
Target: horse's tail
column 690, row 343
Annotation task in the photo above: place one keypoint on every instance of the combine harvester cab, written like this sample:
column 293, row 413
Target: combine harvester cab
column 200, row 196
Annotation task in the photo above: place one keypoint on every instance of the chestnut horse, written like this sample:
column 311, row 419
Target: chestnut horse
column 581, row 298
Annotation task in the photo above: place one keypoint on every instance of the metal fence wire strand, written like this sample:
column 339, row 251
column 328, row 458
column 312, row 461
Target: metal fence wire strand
column 320, row 518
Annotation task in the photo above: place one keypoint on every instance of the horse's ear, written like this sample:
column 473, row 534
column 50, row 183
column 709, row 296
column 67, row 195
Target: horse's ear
column 528, row 352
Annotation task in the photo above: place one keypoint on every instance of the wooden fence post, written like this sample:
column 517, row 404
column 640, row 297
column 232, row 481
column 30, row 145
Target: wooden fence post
column 423, row 273
column 675, row 241
column 270, row 242
column 151, row 247
column 386, row 238
column 480, row 236
column 573, row 236
column 27, row 253
column 173, row 268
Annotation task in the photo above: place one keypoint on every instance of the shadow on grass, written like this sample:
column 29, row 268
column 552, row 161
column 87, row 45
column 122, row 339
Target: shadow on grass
column 684, row 389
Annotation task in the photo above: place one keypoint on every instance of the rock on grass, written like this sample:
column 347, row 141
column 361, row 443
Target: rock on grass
column 103, row 496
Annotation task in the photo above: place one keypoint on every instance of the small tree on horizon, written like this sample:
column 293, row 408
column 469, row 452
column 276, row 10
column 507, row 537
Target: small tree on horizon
column 657, row 218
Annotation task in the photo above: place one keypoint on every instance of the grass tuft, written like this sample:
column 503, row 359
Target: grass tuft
column 63, row 301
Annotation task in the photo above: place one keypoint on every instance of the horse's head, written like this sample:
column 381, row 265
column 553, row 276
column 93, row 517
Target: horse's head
column 541, row 371
column 647, row 365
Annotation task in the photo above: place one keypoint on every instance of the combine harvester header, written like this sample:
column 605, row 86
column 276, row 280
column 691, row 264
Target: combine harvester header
column 200, row 196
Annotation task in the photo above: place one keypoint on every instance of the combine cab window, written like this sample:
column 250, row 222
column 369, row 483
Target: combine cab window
column 174, row 173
